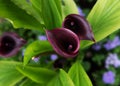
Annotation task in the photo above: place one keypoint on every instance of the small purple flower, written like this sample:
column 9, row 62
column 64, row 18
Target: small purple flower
column 108, row 77
column 23, row 52
column 80, row 11
column 64, row 42
column 108, row 45
column 10, row 44
column 96, row 47
column 36, row 59
column 53, row 57
column 116, row 40
column 112, row 44
column 42, row 37
column 112, row 59
column 79, row 25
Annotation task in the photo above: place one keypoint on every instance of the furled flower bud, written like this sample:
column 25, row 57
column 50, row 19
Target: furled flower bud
column 79, row 25
column 10, row 44
column 65, row 42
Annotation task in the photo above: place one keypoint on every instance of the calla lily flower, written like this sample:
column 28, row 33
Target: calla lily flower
column 65, row 42
column 10, row 44
column 79, row 25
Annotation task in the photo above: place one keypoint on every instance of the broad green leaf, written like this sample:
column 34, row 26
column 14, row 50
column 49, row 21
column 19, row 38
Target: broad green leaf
column 36, row 48
column 69, row 7
column 17, row 16
column 50, row 13
column 36, row 5
column 59, row 6
column 9, row 76
column 79, row 76
column 62, row 79
column 23, row 4
column 37, row 74
column 29, row 82
column 104, row 19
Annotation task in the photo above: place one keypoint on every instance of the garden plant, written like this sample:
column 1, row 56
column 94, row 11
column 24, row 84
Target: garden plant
column 55, row 58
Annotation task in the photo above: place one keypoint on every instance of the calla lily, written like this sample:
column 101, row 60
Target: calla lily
column 10, row 43
column 79, row 25
column 65, row 42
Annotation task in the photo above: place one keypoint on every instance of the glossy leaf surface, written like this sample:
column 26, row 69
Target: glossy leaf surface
column 37, row 7
column 51, row 14
column 17, row 16
column 104, row 19
column 27, row 6
column 9, row 76
column 59, row 6
column 37, row 74
column 35, row 49
column 29, row 82
column 79, row 76
column 62, row 79
column 69, row 7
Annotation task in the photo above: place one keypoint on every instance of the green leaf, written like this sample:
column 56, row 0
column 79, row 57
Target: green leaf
column 50, row 13
column 36, row 5
column 23, row 4
column 69, row 7
column 59, row 6
column 37, row 48
column 37, row 74
column 62, row 79
column 9, row 76
column 29, row 82
column 104, row 19
column 79, row 76
column 17, row 16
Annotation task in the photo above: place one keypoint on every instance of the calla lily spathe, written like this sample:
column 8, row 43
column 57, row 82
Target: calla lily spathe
column 10, row 44
column 79, row 25
column 65, row 42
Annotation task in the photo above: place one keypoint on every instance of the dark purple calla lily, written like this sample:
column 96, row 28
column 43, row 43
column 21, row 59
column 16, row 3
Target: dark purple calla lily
column 10, row 43
column 79, row 25
column 64, row 42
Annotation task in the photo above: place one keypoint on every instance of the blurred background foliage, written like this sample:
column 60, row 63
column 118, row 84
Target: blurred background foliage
column 102, row 60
